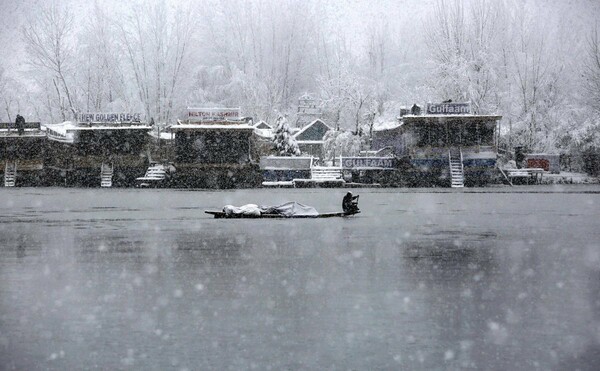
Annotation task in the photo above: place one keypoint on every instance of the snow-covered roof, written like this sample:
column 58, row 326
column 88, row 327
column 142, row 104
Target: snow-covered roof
column 262, row 129
column 387, row 125
column 307, row 127
column 65, row 131
column 220, row 125
column 264, row 133
column 103, row 127
column 27, row 133
column 262, row 125
column 74, row 126
column 416, row 118
column 210, row 127
column 31, row 129
column 310, row 141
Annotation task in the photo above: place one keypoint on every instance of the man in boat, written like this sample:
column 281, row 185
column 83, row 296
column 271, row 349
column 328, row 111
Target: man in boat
column 350, row 203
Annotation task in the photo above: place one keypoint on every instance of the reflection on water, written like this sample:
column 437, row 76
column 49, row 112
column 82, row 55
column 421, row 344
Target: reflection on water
column 145, row 280
column 19, row 243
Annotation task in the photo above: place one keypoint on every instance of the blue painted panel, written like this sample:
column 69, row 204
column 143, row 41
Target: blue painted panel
column 480, row 162
column 429, row 162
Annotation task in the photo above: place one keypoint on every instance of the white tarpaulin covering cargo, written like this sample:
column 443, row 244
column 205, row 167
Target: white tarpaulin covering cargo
column 286, row 209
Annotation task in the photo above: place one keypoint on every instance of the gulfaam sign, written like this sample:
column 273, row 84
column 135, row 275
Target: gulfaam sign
column 448, row 108
column 213, row 114
column 109, row 117
column 367, row 162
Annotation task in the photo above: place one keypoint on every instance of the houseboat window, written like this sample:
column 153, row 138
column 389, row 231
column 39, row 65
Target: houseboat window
column 486, row 133
column 212, row 147
column 437, row 135
column 422, row 131
column 454, row 132
column 470, row 134
column 184, row 148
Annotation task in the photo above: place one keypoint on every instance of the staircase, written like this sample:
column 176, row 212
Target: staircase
column 10, row 174
column 155, row 175
column 106, row 174
column 326, row 173
column 156, row 172
column 457, row 173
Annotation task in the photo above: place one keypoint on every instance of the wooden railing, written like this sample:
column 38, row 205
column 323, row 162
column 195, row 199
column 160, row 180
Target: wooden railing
column 529, row 174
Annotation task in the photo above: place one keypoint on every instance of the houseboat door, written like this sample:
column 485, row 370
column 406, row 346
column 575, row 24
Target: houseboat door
column 454, row 135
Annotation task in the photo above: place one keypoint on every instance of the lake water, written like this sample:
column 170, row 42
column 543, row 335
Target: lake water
column 495, row 278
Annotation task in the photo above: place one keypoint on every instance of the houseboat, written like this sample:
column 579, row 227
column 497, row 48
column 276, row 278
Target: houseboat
column 22, row 154
column 446, row 145
column 214, row 148
column 98, row 149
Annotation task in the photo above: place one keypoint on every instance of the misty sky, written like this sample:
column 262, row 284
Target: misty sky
column 405, row 18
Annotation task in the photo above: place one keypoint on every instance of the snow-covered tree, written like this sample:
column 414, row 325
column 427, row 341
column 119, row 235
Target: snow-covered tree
column 49, row 39
column 509, row 57
column 102, row 83
column 346, row 98
column 462, row 39
column 156, row 38
column 284, row 141
column 591, row 71
column 264, row 51
column 341, row 143
column 7, row 95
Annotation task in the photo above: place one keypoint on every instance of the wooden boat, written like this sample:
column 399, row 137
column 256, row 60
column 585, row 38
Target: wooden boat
column 223, row 215
column 288, row 210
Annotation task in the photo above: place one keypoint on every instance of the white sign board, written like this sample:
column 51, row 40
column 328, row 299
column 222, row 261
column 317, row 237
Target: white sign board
column 368, row 162
column 109, row 117
column 213, row 114
column 449, row 108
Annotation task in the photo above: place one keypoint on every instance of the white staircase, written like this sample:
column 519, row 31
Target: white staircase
column 106, row 174
column 326, row 173
column 457, row 171
column 10, row 174
column 155, row 174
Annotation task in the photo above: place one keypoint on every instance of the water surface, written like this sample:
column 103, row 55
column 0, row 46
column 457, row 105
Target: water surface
column 498, row 278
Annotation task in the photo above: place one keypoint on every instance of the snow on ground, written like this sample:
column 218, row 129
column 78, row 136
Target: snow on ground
column 567, row 177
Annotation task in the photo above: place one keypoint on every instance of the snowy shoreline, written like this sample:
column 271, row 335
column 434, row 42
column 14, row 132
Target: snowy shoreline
column 569, row 178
